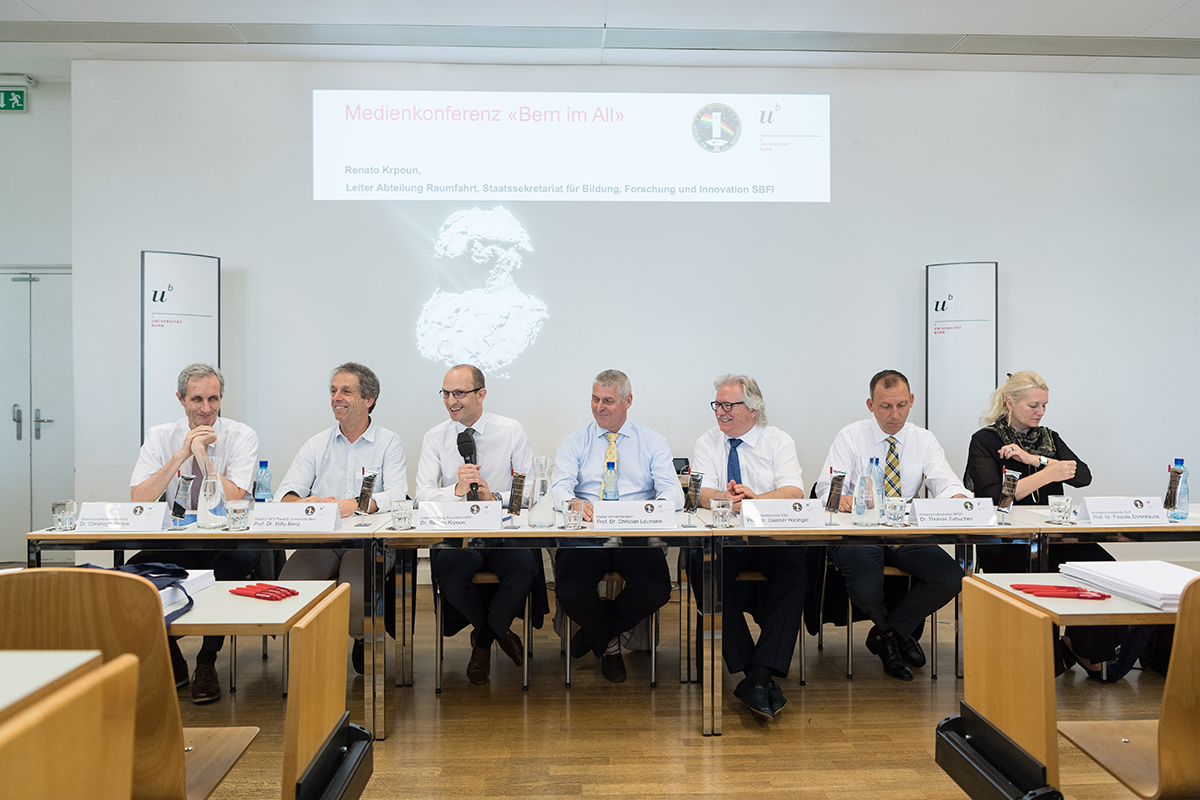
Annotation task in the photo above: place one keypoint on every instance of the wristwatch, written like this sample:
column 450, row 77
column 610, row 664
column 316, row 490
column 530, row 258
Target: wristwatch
column 1043, row 460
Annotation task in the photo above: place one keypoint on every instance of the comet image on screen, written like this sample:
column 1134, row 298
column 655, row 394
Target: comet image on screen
column 487, row 327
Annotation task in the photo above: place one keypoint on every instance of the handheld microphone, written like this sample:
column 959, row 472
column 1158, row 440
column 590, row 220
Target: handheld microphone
column 466, row 449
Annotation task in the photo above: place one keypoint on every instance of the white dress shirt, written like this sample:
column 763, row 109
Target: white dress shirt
column 922, row 459
column 328, row 465
column 645, row 467
column 767, row 457
column 236, row 448
column 501, row 448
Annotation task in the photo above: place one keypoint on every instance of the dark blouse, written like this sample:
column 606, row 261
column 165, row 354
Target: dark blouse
column 985, row 469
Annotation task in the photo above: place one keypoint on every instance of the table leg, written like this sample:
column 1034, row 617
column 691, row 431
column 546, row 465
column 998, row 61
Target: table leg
column 33, row 556
column 378, row 652
column 710, row 671
column 232, row 664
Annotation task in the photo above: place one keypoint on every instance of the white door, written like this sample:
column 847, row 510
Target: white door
column 37, row 455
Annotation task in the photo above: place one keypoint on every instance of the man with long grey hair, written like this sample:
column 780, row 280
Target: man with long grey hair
column 747, row 459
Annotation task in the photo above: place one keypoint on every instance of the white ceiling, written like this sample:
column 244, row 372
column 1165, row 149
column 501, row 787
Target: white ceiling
column 42, row 37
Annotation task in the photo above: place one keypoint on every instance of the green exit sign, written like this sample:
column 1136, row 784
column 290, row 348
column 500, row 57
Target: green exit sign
column 13, row 100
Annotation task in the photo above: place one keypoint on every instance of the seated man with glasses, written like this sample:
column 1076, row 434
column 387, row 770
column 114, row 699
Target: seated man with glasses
column 500, row 448
column 749, row 460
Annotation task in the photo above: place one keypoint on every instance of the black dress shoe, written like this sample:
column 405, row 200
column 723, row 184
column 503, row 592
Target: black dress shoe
column 579, row 645
column 357, row 659
column 887, row 647
column 206, row 687
column 756, row 697
column 910, row 651
column 511, row 645
column 778, row 701
column 1069, row 660
column 613, row 667
column 180, row 668
column 480, row 665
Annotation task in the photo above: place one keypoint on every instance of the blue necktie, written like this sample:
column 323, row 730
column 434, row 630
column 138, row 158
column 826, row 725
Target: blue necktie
column 734, row 470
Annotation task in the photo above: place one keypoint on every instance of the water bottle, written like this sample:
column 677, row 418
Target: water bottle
column 609, row 483
column 262, row 483
column 865, row 510
column 877, row 474
column 1180, row 511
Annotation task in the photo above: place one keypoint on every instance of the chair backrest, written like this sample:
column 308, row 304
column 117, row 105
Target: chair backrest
column 75, row 742
column 115, row 613
column 317, row 685
column 1178, row 730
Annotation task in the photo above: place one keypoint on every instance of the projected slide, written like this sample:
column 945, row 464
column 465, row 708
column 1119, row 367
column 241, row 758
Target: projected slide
column 495, row 146
column 487, row 327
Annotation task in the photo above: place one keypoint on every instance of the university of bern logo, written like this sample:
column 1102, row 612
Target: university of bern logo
column 716, row 127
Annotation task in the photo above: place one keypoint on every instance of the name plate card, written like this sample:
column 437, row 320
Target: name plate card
column 132, row 517
column 636, row 514
column 297, row 517
column 478, row 515
column 954, row 512
column 783, row 514
column 1123, row 511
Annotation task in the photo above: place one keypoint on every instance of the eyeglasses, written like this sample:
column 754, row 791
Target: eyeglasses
column 726, row 407
column 457, row 394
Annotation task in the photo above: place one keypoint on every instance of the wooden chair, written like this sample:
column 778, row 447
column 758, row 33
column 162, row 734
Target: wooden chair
column 1157, row 758
column 316, row 752
column 890, row 572
column 611, row 581
column 75, row 742
column 439, row 639
column 688, row 669
column 887, row 572
column 116, row 613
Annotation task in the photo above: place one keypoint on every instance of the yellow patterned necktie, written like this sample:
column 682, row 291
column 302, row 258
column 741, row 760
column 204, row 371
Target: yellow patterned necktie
column 611, row 453
column 891, row 470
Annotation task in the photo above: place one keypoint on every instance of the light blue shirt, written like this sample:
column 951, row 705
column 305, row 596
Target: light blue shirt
column 645, row 467
column 329, row 465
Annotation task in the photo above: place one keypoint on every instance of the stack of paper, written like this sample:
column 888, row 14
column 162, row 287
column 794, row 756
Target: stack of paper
column 196, row 580
column 1155, row 583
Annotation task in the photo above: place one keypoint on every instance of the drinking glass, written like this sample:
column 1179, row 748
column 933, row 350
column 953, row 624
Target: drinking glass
column 239, row 513
column 64, row 513
column 1060, row 509
column 893, row 512
column 722, row 513
column 573, row 514
column 401, row 515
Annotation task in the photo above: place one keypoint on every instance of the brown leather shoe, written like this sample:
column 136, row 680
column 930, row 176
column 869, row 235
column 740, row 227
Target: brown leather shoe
column 479, row 666
column 206, row 686
column 511, row 645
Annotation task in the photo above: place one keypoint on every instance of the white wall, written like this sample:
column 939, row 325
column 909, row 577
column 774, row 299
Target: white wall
column 1082, row 187
column 35, row 180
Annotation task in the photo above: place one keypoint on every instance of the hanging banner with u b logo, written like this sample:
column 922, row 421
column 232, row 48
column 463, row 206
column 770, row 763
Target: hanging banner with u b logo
column 960, row 352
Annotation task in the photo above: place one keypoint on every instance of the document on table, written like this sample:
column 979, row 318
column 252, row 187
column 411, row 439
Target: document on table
column 1155, row 583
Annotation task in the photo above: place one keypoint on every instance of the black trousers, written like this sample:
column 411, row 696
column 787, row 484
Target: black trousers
column 577, row 573
column 486, row 606
column 227, row 565
column 778, row 608
column 937, row 578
